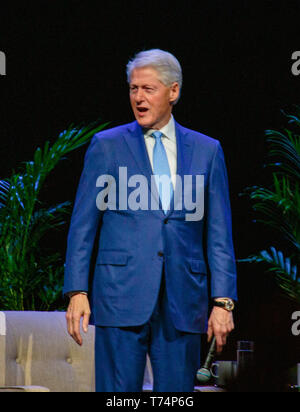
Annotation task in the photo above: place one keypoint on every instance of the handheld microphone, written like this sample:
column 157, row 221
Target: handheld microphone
column 204, row 374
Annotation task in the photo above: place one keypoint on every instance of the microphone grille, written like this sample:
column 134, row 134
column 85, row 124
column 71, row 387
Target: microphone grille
column 203, row 375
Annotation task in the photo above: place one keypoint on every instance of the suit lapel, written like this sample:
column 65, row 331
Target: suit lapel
column 136, row 144
column 185, row 147
column 184, row 150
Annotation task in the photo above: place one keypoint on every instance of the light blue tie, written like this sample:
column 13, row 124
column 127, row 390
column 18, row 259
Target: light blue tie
column 160, row 168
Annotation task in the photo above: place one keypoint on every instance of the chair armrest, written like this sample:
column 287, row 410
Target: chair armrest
column 23, row 389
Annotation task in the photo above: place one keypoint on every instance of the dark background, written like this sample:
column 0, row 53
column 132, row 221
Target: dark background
column 66, row 64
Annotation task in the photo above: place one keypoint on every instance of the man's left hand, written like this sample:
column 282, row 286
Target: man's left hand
column 220, row 324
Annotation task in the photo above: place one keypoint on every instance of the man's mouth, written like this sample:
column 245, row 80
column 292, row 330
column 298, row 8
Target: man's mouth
column 142, row 109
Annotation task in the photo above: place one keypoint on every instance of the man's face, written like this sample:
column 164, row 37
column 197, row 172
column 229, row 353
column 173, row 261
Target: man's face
column 150, row 99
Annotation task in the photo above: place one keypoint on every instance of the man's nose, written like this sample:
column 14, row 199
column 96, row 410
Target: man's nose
column 139, row 96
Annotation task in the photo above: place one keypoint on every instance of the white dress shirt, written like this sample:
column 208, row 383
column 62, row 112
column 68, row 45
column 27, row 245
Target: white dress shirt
column 169, row 142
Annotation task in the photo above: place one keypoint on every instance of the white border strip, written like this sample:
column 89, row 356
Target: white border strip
column 2, row 324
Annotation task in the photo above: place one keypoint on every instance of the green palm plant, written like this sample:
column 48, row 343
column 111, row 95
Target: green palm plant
column 279, row 206
column 31, row 277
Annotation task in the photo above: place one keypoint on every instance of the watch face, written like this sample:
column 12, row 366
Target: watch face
column 229, row 305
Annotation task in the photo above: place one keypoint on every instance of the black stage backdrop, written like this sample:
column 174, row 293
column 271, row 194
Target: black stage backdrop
column 66, row 64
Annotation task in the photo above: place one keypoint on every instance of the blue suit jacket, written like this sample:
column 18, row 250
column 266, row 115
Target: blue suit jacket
column 134, row 244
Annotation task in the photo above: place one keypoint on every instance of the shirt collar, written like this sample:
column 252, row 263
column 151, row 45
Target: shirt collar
column 168, row 130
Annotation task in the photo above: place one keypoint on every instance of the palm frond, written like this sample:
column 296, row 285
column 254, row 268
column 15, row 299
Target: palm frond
column 286, row 273
column 285, row 148
column 279, row 207
column 4, row 189
column 278, row 204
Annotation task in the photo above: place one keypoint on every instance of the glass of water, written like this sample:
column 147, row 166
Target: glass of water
column 245, row 355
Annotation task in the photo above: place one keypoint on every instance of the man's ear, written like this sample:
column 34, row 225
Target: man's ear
column 174, row 92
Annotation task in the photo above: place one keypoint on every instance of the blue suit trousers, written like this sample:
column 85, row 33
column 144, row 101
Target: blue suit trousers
column 120, row 354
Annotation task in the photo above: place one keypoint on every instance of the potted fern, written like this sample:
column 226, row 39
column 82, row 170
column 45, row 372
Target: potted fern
column 30, row 277
column 279, row 206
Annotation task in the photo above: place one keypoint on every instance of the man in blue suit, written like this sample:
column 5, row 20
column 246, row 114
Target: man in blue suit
column 157, row 264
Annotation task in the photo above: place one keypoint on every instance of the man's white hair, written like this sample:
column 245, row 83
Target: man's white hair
column 166, row 65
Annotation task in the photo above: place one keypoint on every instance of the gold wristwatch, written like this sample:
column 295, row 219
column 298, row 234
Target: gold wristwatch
column 225, row 303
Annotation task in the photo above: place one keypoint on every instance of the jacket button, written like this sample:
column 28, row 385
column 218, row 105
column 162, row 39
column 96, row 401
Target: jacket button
column 160, row 254
column 166, row 221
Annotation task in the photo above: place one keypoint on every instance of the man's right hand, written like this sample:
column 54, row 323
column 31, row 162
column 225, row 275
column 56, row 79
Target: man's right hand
column 78, row 308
